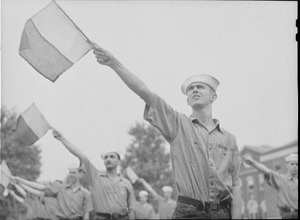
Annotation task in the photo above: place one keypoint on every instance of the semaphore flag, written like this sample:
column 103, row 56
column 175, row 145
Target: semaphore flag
column 51, row 42
column 31, row 126
column 5, row 176
column 131, row 175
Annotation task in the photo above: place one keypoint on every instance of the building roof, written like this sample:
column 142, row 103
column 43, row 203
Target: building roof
column 266, row 149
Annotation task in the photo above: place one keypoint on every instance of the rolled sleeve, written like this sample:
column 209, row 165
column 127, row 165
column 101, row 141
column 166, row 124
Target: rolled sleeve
column 89, row 170
column 163, row 117
column 52, row 190
column 274, row 180
column 88, row 203
column 236, row 162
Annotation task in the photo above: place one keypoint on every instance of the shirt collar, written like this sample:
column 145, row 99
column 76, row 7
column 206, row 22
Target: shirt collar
column 69, row 186
column 288, row 176
column 193, row 119
column 103, row 173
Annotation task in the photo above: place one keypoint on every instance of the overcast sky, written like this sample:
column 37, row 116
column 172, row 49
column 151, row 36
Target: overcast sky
column 249, row 47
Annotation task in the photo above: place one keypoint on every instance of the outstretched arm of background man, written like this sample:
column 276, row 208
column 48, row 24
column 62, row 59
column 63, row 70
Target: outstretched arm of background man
column 73, row 149
column 31, row 190
column 236, row 205
column 19, row 189
column 104, row 57
column 18, row 198
column 148, row 188
column 260, row 167
column 34, row 185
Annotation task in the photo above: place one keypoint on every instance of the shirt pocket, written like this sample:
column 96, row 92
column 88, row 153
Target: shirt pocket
column 196, row 153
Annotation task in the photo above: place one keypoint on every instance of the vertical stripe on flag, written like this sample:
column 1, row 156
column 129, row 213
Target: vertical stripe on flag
column 31, row 126
column 131, row 175
column 52, row 43
column 5, row 174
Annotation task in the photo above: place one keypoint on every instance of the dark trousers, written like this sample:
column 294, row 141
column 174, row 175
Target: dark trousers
column 77, row 218
column 290, row 215
column 184, row 211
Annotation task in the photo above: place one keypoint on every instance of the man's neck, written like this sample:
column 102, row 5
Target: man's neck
column 294, row 175
column 112, row 172
column 204, row 116
column 75, row 185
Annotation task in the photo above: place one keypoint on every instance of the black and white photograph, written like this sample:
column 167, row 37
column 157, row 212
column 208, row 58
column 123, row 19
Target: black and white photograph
column 149, row 109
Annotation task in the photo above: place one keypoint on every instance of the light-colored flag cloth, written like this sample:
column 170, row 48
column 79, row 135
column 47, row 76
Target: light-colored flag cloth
column 5, row 177
column 51, row 42
column 31, row 126
column 131, row 175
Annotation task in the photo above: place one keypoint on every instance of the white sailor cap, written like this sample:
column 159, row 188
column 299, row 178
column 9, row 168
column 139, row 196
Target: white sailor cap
column 167, row 189
column 73, row 166
column 291, row 157
column 110, row 151
column 211, row 81
column 143, row 193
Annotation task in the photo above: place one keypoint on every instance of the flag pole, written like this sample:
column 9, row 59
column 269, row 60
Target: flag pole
column 87, row 39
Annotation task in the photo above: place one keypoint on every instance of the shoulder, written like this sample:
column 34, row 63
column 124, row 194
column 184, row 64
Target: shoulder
column 85, row 190
column 227, row 133
column 126, row 182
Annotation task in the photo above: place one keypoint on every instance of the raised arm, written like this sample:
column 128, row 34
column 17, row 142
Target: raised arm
column 16, row 197
column 31, row 184
column 260, row 167
column 104, row 57
column 31, row 190
column 19, row 189
column 73, row 149
column 148, row 188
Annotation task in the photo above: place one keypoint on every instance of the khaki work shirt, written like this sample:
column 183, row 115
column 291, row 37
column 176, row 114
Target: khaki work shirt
column 287, row 189
column 50, row 206
column 166, row 208
column 205, row 163
column 108, row 196
column 144, row 211
column 70, row 204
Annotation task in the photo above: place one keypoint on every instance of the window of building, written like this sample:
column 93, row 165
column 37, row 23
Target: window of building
column 261, row 179
column 250, row 184
column 278, row 168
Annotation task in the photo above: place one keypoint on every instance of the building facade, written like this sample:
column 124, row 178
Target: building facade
column 259, row 199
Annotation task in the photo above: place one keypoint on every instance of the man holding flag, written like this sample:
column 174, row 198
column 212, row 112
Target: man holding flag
column 205, row 157
column 113, row 196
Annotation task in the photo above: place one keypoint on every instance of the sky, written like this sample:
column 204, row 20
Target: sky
column 249, row 46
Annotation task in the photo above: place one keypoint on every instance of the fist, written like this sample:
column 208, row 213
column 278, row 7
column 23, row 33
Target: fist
column 57, row 134
column 247, row 160
column 103, row 56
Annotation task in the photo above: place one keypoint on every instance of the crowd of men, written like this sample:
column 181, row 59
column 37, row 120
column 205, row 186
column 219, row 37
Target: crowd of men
column 205, row 160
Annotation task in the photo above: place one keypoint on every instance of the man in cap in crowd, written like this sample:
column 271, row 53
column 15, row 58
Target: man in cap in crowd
column 39, row 206
column 74, row 202
column 143, row 209
column 166, row 205
column 113, row 196
column 204, row 156
column 285, row 184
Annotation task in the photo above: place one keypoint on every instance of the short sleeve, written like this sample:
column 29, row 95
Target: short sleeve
column 236, row 163
column 88, row 203
column 163, row 117
column 274, row 179
column 52, row 189
column 89, row 170
column 131, row 197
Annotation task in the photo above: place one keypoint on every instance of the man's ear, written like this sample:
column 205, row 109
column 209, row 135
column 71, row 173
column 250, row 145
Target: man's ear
column 187, row 101
column 214, row 97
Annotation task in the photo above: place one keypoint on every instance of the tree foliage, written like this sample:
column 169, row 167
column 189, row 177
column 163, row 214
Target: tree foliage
column 148, row 157
column 23, row 161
